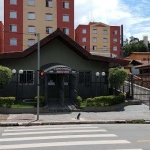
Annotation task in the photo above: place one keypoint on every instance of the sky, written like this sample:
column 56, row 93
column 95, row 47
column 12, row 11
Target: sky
column 134, row 15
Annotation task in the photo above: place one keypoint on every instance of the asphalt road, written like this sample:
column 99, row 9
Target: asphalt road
column 76, row 137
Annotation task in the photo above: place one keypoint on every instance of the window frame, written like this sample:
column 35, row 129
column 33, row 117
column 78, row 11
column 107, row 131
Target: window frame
column 83, row 39
column 65, row 20
column 66, row 2
column 114, row 48
column 47, row 29
column 65, row 29
column 83, row 31
column 26, row 83
column 30, row 26
column 11, row 2
column 105, row 31
column 12, row 42
column 94, row 48
column 31, row 13
column 31, row 44
column 30, row 3
column 105, row 40
column 115, row 32
column 47, row 3
column 48, row 14
column 15, row 14
column 105, row 48
column 93, row 31
column 94, row 39
column 84, row 46
column 115, row 40
column 11, row 27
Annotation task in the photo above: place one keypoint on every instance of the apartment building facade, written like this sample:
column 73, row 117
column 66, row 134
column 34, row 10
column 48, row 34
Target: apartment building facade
column 99, row 39
column 1, row 37
column 24, row 18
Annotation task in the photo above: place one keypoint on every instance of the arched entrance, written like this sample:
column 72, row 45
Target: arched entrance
column 60, row 83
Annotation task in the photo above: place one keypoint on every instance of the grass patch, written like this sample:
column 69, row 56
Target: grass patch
column 83, row 104
column 24, row 105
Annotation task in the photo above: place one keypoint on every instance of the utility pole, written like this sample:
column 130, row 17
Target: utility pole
column 38, row 74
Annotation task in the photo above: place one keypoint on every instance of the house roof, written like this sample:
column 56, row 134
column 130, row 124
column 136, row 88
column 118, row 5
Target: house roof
column 58, row 34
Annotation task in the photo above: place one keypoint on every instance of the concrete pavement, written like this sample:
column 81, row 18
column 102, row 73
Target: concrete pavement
column 130, row 114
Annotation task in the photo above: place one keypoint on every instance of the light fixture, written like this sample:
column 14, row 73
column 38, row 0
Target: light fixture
column 14, row 71
column 97, row 74
column 20, row 71
column 103, row 74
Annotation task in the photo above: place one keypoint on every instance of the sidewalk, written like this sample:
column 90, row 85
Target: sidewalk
column 129, row 114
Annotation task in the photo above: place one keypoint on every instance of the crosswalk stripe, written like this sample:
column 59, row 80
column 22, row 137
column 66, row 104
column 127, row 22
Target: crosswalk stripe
column 52, row 126
column 57, row 137
column 47, row 132
column 72, row 143
column 33, row 129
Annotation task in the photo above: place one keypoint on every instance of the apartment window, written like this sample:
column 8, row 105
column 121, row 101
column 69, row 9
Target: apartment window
column 94, row 31
column 104, row 48
column 104, row 31
column 66, row 18
column 84, row 31
column 13, row 2
column 94, row 39
column 49, row 3
column 48, row 16
column 84, row 39
column 115, row 48
column 105, row 40
column 31, row 15
column 13, row 28
column 13, row 41
column 66, row 5
column 115, row 32
column 31, row 42
column 13, row 14
column 31, row 29
column 48, row 30
column 115, row 40
column 94, row 48
column 31, row 2
column 66, row 31
column 84, row 46
column 27, row 77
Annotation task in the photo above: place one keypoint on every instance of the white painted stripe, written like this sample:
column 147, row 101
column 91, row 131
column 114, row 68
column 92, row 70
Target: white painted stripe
column 74, row 143
column 57, row 137
column 50, row 126
column 34, row 129
column 126, row 149
column 47, row 132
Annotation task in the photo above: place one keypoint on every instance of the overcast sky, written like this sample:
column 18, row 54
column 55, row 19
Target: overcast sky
column 133, row 14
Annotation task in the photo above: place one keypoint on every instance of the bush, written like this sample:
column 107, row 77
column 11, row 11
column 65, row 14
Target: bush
column 90, row 102
column 79, row 100
column 7, row 101
column 41, row 100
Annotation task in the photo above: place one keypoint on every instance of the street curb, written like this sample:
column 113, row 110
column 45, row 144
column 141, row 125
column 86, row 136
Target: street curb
column 8, row 124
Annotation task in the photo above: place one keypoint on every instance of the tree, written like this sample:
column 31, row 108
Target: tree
column 117, row 77
column 5, row 76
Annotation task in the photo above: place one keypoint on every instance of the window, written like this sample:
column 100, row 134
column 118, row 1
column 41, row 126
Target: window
column 115, row 32
column 31, row 15
column 115, row 48
column 84, row 39
column 48, row 16
column 84, row 46
column 115, row 40
column 13, row 41
column 104, row 31
column 31, row 42
column 66, row 31
column 85, row 78
column 13, row 2
column 26, row 78
column 105, row 40
column 13, row 28
column 84, row 31
column 49, row 30
column 94, row 31
column 94, row 48
column 13, row 14
column 94, row 39
column 49, row 3
column 31, row 2
column 104, row 48
column 66, row 5
column 65, row 18
column 31, row 29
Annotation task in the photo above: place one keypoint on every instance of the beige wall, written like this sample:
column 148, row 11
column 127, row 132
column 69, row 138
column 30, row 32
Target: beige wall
column 40, row 23
column 99, row 37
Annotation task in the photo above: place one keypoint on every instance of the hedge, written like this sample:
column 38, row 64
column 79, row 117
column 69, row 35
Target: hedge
column 41, row 100
column 105, row 100
column 79, row 100
column 7, row 101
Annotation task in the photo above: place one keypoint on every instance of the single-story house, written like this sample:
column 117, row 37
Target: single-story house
column 67, row 70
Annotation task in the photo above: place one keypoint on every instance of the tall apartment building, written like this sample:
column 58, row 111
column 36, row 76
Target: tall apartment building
column 24, row 18
column 99, row 39
column 1, row 37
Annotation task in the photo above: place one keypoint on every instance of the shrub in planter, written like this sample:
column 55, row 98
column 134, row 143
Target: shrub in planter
column 7, row 101
column 41, row 99
column 90, row 102
column 79, row 100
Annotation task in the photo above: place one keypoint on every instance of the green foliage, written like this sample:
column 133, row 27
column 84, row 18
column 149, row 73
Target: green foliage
column 5, row 76
column 79, row 100
column 7, row 101
column 117, row 77
column 41, row 99
column 105, row 100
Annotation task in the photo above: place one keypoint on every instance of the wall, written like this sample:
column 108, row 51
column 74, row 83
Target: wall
column 1, row 37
